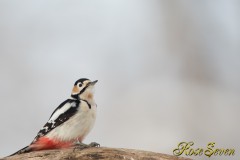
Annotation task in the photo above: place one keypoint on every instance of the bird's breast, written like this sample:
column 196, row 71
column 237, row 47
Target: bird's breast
column 77, row 126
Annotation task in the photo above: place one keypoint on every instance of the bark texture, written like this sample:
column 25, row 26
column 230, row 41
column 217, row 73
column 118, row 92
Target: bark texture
column 100, row 153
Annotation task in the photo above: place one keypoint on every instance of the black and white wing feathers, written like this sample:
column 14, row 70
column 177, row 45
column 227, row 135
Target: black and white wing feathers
column 60, row 115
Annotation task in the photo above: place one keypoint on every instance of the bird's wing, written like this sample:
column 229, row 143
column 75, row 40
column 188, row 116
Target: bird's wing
column 60, row 115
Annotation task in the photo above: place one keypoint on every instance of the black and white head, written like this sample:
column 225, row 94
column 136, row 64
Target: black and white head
column 83, row 89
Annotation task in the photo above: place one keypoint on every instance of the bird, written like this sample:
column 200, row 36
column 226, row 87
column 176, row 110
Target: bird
column 70, row 122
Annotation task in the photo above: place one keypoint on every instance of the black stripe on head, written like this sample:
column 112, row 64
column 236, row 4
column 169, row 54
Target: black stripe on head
column 83, row 90
column 76, row 95
column 80, row 80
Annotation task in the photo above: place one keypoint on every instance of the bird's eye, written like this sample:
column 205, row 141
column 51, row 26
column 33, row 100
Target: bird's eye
column 80, row 85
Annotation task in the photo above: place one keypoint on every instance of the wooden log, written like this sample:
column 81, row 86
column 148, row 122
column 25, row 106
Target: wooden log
column 97, row 153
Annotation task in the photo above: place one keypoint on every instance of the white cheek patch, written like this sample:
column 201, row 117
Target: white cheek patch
column 75, row 90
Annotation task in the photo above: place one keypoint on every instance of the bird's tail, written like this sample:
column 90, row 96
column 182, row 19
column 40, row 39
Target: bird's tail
column 23, row 150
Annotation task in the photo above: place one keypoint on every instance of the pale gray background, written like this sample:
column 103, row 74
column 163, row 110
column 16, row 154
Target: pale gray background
column 168, row 71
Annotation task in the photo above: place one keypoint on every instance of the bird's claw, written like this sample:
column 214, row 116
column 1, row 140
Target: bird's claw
column 82, row 146
column 94, row 144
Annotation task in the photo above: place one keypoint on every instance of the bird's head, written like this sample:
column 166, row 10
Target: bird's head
column 83, row 89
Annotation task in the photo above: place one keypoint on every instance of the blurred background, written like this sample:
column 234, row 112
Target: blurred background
column 168, row 71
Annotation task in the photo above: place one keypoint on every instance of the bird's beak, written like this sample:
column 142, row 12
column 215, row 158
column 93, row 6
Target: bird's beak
column 93, row 83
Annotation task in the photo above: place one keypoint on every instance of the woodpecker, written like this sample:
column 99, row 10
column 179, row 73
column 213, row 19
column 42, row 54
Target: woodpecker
column 70, row 122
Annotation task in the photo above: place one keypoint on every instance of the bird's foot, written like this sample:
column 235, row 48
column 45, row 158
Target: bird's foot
column 94, row 144
column 81, row 146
